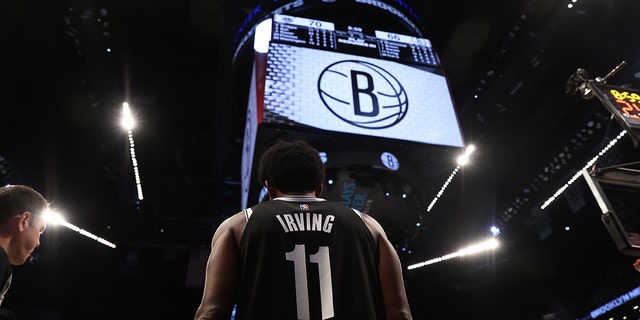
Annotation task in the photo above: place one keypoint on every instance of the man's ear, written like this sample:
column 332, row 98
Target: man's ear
column 23, row 220
column 318, row 191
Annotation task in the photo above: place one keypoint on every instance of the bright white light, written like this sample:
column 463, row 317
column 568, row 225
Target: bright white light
column 470, row 149
column 586, row 166
column 495, row 231
column 464, row 159
column 570, row 5
column 323, row 157
column 54, row 218
column 127, row 119
column 128, row 124
column 490, row 244
column 262, row 36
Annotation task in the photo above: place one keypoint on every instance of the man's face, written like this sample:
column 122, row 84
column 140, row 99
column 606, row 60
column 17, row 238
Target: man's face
column 28, row 239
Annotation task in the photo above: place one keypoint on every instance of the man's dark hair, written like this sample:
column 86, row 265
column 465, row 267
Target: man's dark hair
column 291, row 167
column 16, row 199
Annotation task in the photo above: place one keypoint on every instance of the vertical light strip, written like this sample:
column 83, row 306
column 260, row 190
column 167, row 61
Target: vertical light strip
column 462, row 160
column 444, row 187
column 128, row 123
column 587, row 166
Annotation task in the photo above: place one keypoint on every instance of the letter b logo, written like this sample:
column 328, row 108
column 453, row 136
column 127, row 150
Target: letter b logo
column 363, row 94
column 367, row 91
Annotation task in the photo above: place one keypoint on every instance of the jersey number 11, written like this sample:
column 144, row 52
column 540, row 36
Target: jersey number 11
column 299, row 258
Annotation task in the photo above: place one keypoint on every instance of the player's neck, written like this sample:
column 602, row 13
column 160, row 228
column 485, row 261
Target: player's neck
column 295, row 195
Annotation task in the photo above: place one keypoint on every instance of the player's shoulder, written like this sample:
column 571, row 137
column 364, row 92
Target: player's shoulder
column 232, row 226
column 233, row 223
column 373, row 225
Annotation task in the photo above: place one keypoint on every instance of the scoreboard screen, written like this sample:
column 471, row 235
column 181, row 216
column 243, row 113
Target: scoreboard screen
column 356, row 80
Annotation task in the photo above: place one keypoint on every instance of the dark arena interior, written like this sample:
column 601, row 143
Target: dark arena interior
column 546, row 91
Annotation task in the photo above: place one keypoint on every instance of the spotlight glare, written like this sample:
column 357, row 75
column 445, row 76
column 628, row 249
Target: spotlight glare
column 128, row 123
column 464, row 159
column 490, row 244
column 56, row 219
column 53, row 217
column 495, row 231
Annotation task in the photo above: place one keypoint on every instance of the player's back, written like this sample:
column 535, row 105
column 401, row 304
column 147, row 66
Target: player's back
column 306, row 258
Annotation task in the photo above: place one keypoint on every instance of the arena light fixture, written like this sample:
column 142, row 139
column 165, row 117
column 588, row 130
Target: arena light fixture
column 578, row 174
column 128, row 123
column 54, row 218
column 462, row 160
column 487, row 245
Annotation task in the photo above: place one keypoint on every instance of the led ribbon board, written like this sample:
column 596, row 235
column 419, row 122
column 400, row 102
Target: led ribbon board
column 624, row 102
column 353, row 80
column 624, row 105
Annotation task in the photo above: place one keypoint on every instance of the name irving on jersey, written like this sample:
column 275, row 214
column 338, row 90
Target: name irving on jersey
column 306, row 221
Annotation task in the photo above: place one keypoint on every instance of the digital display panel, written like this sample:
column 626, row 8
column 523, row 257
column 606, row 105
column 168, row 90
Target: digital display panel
column 626, row 103
column 355, row 80
column 318, row 34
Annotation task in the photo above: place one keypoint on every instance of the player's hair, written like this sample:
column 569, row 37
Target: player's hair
column 16, row 199
column 291, row 167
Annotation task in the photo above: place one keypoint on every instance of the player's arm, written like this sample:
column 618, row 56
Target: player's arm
column 220, row 285
column 390, row 274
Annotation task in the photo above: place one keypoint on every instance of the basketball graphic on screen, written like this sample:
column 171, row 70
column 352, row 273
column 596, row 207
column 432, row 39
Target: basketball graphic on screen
column 363, row 94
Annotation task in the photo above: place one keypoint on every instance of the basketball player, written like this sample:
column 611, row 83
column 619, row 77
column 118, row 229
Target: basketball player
column 298, row 256
column 21, row 224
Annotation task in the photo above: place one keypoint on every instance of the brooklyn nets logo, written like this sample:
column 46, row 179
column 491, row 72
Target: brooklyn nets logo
column 363, row 94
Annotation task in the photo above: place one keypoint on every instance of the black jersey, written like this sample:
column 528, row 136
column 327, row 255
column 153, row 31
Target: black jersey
column 5, row 273
column 307, row 258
